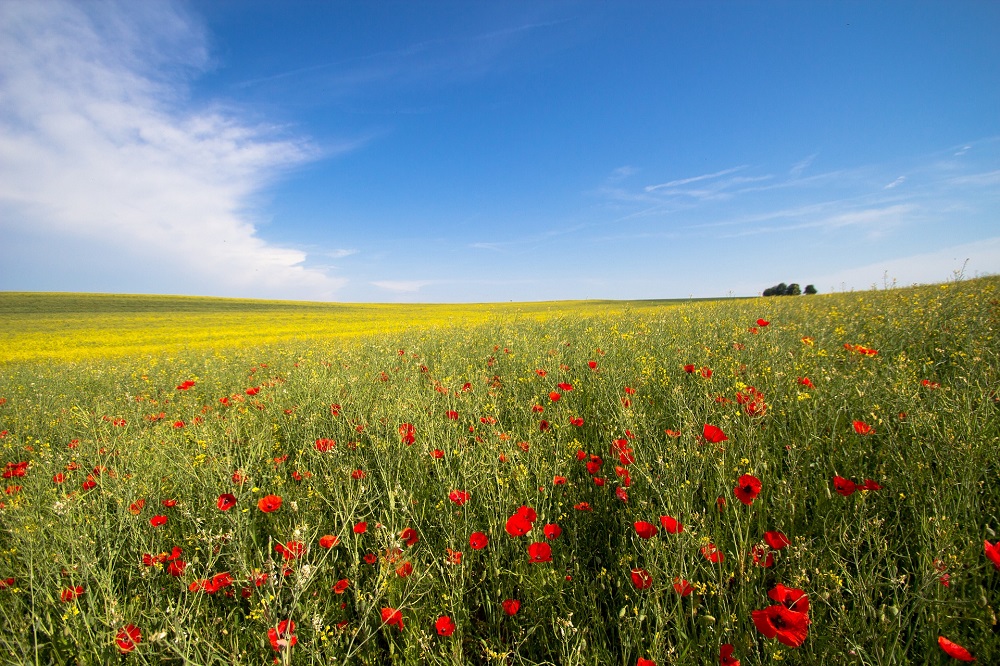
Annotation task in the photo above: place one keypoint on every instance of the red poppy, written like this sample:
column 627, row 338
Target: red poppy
column 863, row 428
column 645, row 662
column 360, row 528
column 726, row 655
column 291, row 550
column 391, row 616
column 511, row 606
column 582, row 506
column 541, row 373
column 554, row 396
column 843, row 486
column 552, row 531
column 445, row 626
column 478, row 541
column 671, row 525
column 763, row 322
column 576, row 420
column 789, row 627
column 805, row 381
column 157, row 521
column 682, row 587
column 59, row 478
column 776, row 539
column 869, row 485
column 992, row 552
column 689, row 368
column 641, row 579
column 712, row 553
column 407, row 433
column 269, row 503
column 459, row 497
column 169, row 503
column 341, row 586
column 543, row 426
column 437, row 453
column 226, row 501
column 706, row 373
column 791, row 598
column 253, row 391
column 70, row 593
column 328, row 541
column 452, row 415
column 323, row 444
column 517, row 525
column 404, row 570
column 645, row 530
column 128, row 638
column 17, row 469
column 358, row 474
column 762, row 556
column 559, row 480
column 747, row 489
column 929, row 384
column 283, row 635
column 565, row 387
column 409, row 536
column 713, row 434
column 539, row 552
column 954, row 650
column 371, row 558
column 176, row 568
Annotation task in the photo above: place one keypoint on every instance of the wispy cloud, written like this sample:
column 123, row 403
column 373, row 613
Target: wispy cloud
column 437, row 61
column 979, row 258
column 403, row 286
column 896, row 183
column 694, row 179
column 98, row 146
column 621, row 173
column 799, row 167
column 341, row 253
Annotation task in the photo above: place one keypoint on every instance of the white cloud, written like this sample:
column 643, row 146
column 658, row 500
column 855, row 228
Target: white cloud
column 801, row 166
column 694, row 179
column 99, row 146
column 621, row 173
column 403, row 286
column 341, row 253
column 895, row 183
column 979, row 258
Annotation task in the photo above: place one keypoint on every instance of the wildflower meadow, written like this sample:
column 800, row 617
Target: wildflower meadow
column 797, row 480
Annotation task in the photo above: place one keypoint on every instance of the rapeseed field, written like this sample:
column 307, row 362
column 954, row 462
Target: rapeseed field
column 795, row 480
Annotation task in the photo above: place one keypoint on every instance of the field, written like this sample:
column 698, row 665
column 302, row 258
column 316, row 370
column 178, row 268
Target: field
column 793, row 480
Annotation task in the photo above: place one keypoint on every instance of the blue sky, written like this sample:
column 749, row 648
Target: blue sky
column 466, row 151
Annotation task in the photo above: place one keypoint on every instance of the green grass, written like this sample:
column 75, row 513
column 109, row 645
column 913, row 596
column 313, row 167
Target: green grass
column 873, row 564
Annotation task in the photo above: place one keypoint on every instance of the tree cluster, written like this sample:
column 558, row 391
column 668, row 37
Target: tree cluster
column 792, row 289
